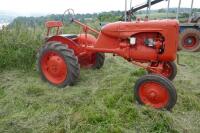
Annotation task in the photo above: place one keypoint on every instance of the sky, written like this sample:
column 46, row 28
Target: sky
column 37, row 7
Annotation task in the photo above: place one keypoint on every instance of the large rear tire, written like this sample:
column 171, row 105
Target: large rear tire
column 57, row 64
column 189, row 40
column 155, row 91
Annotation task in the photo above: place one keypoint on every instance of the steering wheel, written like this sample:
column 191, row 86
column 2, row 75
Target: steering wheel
column 70, row 13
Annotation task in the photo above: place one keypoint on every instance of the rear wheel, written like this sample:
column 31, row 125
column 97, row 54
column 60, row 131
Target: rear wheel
column 169, row 70
column 189, row 40
column 155, row 91
column 57, row 64
column 99, row 59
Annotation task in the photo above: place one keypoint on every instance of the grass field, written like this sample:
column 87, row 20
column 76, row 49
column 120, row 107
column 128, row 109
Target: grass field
column 101, row 101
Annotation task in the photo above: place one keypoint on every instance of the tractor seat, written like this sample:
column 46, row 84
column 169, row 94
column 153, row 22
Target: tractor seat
column 70, row 36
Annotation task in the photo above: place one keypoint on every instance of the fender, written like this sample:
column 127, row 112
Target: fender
column 85, row 57
column 66, row 41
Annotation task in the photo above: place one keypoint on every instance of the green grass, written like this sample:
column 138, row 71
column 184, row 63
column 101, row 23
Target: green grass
column 101, row 101
column 18, row 47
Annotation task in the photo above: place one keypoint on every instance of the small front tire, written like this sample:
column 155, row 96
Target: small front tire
column 169, row 70
column 155, row 91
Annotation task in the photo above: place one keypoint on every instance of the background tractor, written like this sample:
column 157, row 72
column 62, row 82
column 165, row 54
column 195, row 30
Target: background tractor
column 149, row 44
column 189, row 38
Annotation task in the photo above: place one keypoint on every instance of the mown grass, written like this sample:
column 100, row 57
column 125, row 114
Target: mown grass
column 101, row 101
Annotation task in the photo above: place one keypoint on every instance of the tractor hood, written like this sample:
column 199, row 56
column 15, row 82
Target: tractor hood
column 126, row 29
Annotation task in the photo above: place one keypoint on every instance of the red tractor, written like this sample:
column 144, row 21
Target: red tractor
column 149, row 44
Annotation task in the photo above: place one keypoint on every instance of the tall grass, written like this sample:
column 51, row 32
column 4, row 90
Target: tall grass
column 19, row 44
column 18, row 47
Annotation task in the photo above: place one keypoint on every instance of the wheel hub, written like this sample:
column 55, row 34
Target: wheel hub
column 54, row 67
column 154, row 94
column 55, row 64
column 190, row 42
column 167, row 70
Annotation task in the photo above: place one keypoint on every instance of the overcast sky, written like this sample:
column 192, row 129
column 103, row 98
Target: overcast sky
column 30, row 7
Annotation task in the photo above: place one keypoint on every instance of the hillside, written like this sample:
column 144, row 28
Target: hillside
column 102, row 17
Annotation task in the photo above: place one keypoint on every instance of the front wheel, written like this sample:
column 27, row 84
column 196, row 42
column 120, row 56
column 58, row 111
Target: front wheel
column 57, row 64
column 169, row 70
column 155, row 91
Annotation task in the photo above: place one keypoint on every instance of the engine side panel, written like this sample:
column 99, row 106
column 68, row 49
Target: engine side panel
column 115, row 35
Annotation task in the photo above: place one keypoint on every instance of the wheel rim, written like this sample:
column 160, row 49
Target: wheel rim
column 54, row 67
column 154, row 94
column 190, row 41
column 167, row 70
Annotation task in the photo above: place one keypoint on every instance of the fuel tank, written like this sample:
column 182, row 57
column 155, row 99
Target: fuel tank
column 124, row 30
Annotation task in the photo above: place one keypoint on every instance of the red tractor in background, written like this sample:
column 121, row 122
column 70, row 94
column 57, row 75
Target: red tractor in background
column 149, row 44
column 189, row 38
